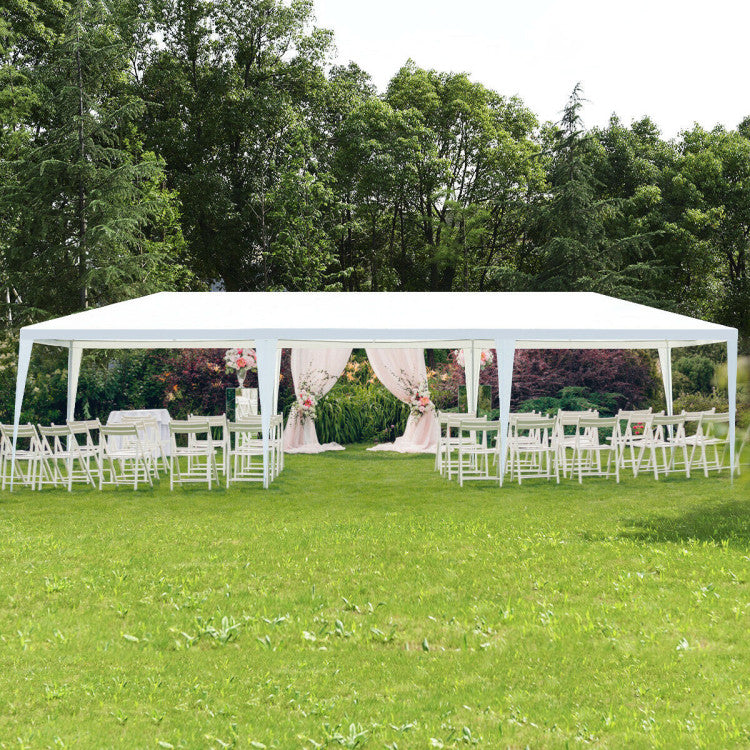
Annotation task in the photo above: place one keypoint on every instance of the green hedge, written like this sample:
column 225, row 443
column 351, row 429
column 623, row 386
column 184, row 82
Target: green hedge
column 357, row 415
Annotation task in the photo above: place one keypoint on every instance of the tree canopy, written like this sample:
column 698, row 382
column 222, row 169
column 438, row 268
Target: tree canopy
column 180, row 144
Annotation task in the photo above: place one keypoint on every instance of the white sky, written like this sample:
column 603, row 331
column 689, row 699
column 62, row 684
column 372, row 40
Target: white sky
column 678, row 61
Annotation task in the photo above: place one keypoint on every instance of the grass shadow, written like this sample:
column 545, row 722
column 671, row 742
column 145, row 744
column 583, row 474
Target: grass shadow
column 728, row 521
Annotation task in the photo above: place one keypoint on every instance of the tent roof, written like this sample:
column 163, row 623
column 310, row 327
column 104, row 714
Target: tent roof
column 533, row 319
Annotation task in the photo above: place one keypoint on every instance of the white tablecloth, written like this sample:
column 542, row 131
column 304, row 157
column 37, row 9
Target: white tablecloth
column 162, row 417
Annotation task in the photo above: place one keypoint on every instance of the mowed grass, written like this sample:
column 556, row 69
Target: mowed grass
column 363, row 601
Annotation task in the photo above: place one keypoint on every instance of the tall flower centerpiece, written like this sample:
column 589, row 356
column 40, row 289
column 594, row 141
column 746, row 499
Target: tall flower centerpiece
column 240, row 361
column 486, row 358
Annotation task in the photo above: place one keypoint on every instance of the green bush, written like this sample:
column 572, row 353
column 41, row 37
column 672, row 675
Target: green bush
column 693, row 373
column 360, row 414
column 573, row 398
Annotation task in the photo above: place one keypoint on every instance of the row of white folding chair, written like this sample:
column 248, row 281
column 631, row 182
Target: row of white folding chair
column 45, row 455
column 668, row 437
column 241, row 444
column 534, row 449
column 60, row 455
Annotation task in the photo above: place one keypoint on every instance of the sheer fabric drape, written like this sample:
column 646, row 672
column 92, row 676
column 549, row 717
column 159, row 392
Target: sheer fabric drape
column 399, row 370
column 317, row 370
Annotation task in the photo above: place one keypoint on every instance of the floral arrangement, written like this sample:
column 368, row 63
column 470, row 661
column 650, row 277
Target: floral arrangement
column 240, row 361
column 419, row 399
column 306, row 405
column 486, row 358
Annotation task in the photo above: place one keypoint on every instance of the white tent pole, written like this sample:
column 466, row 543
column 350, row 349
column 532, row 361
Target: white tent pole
column 472, row 361
column 732, row 394
column 74, row 370
column 24, row 355
column 665, row 362
column 277, row 382
column 506, row 350
column 265, row 350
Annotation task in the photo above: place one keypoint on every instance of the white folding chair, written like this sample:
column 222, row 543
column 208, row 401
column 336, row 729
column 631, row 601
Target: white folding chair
column 122, row 456
column 446, row 455
column 532, row 448
column 62, row 461
column 28, row 455
column 277, row 436
column 588, row 447
column 199, row 453
column 85, row 432
column 149, row 433
column 245, row 452
column 666, row 435
column 713, row 434
column 635, row 435
column 568, row 420
column 218, row 424
column 478, row 442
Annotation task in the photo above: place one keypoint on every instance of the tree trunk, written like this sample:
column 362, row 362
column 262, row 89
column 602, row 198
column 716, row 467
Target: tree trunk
column 81, row 208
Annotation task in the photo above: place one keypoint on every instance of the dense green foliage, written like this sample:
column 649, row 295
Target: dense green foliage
column 162, row 144
column 365, row 602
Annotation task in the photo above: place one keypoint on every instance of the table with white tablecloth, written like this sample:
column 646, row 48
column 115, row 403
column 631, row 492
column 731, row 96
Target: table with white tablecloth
column 162, row 417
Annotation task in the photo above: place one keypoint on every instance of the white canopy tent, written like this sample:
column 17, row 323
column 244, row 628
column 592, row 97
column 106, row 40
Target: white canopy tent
column 271, row 321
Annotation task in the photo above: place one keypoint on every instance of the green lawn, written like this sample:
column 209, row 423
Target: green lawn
column 363, row 601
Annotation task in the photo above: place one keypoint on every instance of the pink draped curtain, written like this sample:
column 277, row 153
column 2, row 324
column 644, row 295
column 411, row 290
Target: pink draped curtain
column 399, row 370
column 317, row 370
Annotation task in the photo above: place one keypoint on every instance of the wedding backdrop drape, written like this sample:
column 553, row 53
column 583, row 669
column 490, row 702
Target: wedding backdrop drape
column 401, row 370
column 315, row 370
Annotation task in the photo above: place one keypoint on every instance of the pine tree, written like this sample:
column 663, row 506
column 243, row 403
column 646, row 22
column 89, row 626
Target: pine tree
column 93, row 222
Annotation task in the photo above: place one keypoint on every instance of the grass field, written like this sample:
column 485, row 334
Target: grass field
column 365, row 602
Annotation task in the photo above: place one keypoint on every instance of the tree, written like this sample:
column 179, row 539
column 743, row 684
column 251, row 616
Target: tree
column 232, row 97
column 91, row 221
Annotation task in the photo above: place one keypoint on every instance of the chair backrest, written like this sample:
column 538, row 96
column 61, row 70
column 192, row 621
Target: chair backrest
column 53, row 430
column 121, row 429
column 245, row 427
column 189, row 427
column 24, row 431
column 570, row 418
column 694, row 416
column 213, row 421
column 478, row 424
column 631, row 414
column 595, row 423
column 533, row 420
column 452, row 416
column 666, row 419
column 254, row 421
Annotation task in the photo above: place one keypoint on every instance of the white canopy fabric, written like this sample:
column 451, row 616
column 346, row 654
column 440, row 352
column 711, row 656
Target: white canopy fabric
column 270, row 321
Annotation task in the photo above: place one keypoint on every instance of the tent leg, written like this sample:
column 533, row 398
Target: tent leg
column 665, row 362
column 732, row 394
column 266, row 351
column 506, row 350
column 277, row 381
column 472, row 364
column 74, row 370
column 24, row 356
